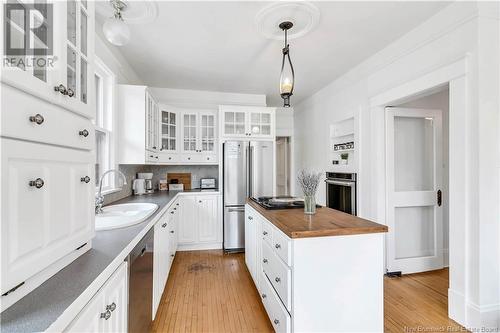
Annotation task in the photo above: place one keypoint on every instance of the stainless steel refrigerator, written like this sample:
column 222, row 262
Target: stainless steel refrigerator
column 248, row 172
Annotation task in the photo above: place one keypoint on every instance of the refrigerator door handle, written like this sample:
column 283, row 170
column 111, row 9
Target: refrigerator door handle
column 251, row 171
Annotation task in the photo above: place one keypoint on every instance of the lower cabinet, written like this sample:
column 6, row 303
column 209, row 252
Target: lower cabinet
column 107, row 310
column 200, row 225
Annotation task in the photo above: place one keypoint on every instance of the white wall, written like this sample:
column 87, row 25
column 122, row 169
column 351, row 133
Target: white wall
column 462, row 30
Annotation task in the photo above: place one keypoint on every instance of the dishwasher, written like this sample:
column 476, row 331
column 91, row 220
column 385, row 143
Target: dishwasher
column 140, row 290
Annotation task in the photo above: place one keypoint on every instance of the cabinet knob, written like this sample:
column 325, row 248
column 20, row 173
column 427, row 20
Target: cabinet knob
column 250, row 218
column 172, row 255
column 156, row 157
column 175, row 208
column 264, row 295
column 171, row 212
column 37, row 119
column 70, row 92
column 85, row 179
column 61, row 88
column 38, row 183
column 199, row 201
column 177, row 204
column 171, row 231
column 154, row 147
column 264, row 233
column 164, row 225
column 111, row 307
column 151, row 156
column 264, row 261
column 208, row 158
column 84, row 133
column 277, row 279
column 278, row 246
column 106, row 315
column 189, row 158
column 170, row 158
column 276, row 321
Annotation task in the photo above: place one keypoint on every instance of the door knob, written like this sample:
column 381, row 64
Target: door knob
column 38, row 183
column 37, row 119
column 84, row 133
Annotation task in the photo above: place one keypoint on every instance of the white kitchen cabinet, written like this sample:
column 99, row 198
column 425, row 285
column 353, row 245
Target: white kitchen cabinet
column 161, row 258
column 173, row 230
column 198, row 136
column 65, row 76
column 107, row 311
column 253, row 248
column 152, row 123
column 199, row 222
column 48, row 206
column 247, row 122
column 188, row 220
column 168, row 130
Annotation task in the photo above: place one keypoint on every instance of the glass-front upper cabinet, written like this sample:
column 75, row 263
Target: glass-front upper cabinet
column 234, row 123
column 189, row 132
column 260, row 123
column 207, row 132
column 168, row 130
column 49, row 51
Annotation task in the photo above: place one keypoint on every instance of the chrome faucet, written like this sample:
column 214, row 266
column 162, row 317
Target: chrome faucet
column 99, row 199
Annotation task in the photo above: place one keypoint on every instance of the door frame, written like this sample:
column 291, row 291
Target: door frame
column 457, row 77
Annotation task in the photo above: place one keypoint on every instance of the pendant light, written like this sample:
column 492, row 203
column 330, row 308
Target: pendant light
column 115, row 29
column 287, row 74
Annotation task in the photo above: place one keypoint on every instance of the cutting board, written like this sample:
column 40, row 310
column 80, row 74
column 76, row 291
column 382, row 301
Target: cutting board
column 182, row 177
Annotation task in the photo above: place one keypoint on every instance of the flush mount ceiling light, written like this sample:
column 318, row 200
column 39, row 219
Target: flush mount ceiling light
column 114, row 28
column 277, row 19
column 287, row 74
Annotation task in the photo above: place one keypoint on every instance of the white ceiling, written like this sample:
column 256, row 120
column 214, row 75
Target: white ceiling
column 216, row 46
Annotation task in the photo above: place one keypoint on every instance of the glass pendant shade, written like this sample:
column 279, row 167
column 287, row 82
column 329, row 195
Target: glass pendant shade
column 116, row 31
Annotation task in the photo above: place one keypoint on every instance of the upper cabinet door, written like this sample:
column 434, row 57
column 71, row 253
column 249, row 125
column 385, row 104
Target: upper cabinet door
column 168, row 130
column 152, row 123
column 207, row 133
column 190, row 132
column 54, row 60
column 234, row 123
column 261, row 123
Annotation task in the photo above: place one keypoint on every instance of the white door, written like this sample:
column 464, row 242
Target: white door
column 414, row 179
column 207, row 218
column 188, row 226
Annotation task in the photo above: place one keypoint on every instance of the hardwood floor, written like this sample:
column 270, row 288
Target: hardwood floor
column 208, row 291
column 418, row 303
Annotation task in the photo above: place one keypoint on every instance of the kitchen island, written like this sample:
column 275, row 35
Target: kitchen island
column 316, row 273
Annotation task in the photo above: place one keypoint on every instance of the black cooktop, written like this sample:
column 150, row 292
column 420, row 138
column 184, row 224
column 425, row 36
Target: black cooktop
column 279, row 202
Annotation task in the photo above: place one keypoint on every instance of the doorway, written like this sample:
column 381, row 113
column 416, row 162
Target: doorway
column 282, row 166
column 417, row 183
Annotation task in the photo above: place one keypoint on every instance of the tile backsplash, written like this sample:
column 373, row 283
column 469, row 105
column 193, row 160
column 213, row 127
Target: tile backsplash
column 160, row 172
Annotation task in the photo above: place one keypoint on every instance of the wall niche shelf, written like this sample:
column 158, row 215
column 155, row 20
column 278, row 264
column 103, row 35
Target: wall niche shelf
column 342, row 141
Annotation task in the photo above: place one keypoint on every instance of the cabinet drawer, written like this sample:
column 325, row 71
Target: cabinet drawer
column 267, row 233
column 168, row 158
column 282, row 245
column 152, row 157
column 190, row 158
column 48, row 206
column 278, row 315
column 279, row 274
column 29, row 118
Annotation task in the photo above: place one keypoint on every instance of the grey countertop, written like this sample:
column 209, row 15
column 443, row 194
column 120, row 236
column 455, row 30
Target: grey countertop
column 40, row 308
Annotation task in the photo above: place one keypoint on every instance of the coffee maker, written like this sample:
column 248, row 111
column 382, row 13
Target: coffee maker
column 148, row 181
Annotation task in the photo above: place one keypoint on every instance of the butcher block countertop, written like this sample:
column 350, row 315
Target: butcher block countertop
column 326, row 222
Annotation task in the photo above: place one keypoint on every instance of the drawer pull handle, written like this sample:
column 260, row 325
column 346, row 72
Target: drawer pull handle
column 37, row 119
column 164, row 225
column 85, row 179
column 84, row 133
column 38, row 183
column 106, row 315
column 264, row 261
column 171, row 231
column 264, row 295
column 278, row 246
column 264, row 233
column 276, row 321
column 111, row 307
column 277, row 279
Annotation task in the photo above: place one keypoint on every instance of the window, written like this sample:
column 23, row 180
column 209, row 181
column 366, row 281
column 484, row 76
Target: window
column 104, row 125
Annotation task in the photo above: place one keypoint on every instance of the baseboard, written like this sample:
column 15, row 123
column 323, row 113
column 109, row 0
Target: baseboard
column 483, row 318
column 199, row 246
column 456, row 306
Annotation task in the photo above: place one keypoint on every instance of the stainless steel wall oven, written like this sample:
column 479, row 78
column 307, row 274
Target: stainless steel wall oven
column 341, row 191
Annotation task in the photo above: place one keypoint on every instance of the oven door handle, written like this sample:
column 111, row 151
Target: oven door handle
column 336, row 182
